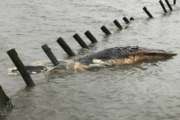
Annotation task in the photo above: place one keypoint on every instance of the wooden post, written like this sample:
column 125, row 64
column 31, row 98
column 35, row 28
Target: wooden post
column 147, row 12
column 49, row 54
column 4, row 99
column 168, row 4
column 116, row 22
column 80, row 41
column 105, row 30
column 163, row 7
column 126, row 20
column 90, row 36
column 131, row 18
column 65, row 47
column 21, row 68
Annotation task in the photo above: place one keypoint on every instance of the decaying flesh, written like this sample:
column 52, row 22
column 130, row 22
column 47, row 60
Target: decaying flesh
column 110, row 57
column 107, row 57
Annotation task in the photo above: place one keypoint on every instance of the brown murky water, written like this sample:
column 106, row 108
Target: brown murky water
column 141, row 92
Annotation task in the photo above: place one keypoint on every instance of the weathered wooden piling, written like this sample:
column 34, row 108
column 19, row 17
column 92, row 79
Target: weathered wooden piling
column 163, row 7
column 4, row 99
column 80, row 41
column 174, row 2
column 169, row 5
column 126, row 20
column 105, row 30
column 65, row 47
column 90, row 36
column 50, row 54
column 116, row 22
column 131, row 18
column 147, row 12
column 21, row 68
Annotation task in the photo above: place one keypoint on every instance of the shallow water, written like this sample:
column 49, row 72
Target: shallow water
column 148, row 91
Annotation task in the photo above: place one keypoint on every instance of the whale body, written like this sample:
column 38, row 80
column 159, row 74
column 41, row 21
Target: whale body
column 112, row 56
column 107, row 57
column 127, row 55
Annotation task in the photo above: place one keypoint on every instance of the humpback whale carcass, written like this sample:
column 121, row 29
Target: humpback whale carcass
column 110, row 57
column 107, row 57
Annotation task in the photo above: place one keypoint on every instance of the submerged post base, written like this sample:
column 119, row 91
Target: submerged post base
column 5, row 103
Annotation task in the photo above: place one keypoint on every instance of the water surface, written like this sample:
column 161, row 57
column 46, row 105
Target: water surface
column 149, row 91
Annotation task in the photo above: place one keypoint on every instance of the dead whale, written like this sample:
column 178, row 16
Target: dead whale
column 110, row 57
column 107, row 57
column 127, row 55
